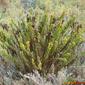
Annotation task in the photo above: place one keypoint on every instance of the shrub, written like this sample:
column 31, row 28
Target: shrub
column 41, row 41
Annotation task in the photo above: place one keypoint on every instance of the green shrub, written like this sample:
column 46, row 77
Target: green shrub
column 41, row 41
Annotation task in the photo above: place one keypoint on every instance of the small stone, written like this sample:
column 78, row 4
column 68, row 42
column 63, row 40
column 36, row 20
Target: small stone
column 7, row 81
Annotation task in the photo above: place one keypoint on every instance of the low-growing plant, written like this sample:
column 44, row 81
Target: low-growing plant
column 41, row 41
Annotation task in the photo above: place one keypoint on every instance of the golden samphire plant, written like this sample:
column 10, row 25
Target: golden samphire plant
column 41, row 41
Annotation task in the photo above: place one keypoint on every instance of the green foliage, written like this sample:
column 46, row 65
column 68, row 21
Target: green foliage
column 41, row 41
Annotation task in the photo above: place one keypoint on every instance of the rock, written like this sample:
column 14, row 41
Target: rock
column 28, row 3
column 20, row 82
column 8, row 72
column 1, row 81
column 7, row 80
